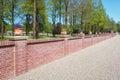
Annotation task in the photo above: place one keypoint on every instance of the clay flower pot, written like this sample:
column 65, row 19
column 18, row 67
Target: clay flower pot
column 90, row 33
column 63, row 31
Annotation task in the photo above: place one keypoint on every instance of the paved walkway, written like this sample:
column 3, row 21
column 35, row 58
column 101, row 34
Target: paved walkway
column 98, row 62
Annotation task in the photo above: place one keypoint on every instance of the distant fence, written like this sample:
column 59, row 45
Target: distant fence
column 17, row 57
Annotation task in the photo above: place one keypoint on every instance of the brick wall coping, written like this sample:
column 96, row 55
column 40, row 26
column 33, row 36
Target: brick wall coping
column 40, row 41
column 87, row 36
column 74, row 38
column 6, row 44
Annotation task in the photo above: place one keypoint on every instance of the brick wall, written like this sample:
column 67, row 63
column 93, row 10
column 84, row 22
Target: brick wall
column 6, row 60
column 41, row 52
column 19, row 57
column 74, row 44
column 87, row 41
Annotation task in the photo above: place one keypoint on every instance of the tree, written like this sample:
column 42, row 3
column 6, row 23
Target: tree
column 118, row 26
column 66, row 2
column 12, row 11
column 34, row 20
column 11, row 8
column 39, row 18
column 2, row 18
column 60, row 10
column 54, row 7
column 27, row 12
column 89, row 15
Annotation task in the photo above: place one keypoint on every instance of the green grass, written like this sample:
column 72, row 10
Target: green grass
column 44, row 36
column 4, row 38
column 47, row 36
column 31, row 37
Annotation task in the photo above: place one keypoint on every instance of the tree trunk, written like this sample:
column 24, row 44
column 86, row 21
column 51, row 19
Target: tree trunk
column 37, row 23
column 66, row 12
column 60, row 12
column 34, row 20
column 2, row 23
column 54, row 21
column 65, row 16
column 81, row 21
column 13, row 6
column 27, row 24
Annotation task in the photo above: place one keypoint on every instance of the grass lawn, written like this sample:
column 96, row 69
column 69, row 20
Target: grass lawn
column 5, row 38
column 44, row 36
column 30, row 37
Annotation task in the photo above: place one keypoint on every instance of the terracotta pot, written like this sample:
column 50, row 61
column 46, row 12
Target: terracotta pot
column 90, row 33
column 63, row 33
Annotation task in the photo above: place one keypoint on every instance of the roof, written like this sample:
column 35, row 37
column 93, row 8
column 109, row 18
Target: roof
column 18, row 25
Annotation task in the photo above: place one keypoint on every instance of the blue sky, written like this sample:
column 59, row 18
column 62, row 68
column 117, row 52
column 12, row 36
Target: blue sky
column 112, row 8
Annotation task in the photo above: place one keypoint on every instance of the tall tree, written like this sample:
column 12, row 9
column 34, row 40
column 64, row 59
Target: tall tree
column 66, row 2
column 118, row 26
column 53, row 7
column 39, row 15
column 2, row 18
column 34, row 20
column 12, row 11
column 89, row 14
column 27, row 24
column 60, row 8
column 54, row 11
column 101, row 16
column 27, row 12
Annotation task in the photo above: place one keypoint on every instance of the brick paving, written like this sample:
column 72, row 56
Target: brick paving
column 98, row 62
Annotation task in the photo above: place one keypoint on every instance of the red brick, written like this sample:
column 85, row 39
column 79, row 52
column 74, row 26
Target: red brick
column 29, row 56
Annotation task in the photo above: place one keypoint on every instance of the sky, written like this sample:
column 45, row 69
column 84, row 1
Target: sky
column 112, row 8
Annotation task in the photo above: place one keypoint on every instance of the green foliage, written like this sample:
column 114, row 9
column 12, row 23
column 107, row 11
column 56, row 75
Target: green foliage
column 69, row 30
column 42, row 19
column 118, row 26
column 48, row 28
column 76, row 29
column 85, row 15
